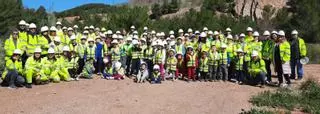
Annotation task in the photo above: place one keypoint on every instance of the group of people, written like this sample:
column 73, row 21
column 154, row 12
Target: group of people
column 63, row 54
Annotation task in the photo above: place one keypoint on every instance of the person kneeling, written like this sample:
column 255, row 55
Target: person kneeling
column 12, row 75
column 143, row 73
column 118, row 72
column 257, row 70
column 156, row 78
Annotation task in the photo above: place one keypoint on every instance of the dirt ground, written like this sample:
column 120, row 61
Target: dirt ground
column 110, row 96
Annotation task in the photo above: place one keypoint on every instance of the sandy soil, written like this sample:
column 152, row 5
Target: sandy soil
column 105, row 96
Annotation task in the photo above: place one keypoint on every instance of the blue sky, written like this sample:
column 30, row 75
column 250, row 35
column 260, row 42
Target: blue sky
column 60, row 5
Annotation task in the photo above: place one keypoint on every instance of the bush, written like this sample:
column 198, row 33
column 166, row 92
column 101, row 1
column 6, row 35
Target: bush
column 307, row 97
column 313, row 51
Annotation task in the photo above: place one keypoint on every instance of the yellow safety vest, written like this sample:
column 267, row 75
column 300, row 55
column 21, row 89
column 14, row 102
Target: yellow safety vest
column 192, row 61
column 204, row 67
column 172, row 63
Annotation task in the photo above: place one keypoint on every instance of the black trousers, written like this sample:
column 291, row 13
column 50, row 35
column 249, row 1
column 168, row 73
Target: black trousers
column 13, row 78
column 81, row 64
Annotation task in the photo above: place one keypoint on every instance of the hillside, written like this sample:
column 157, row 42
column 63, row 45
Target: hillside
column 87, row 8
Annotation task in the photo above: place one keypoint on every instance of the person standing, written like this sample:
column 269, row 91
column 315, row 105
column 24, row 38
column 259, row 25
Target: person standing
column 298, row 51
column 281, row 58
column 267, row 45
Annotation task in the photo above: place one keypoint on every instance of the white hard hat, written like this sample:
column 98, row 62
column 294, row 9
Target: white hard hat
column 86, row 27
column 53, row 28
column 179, row 38
column 242, row 35
column 58, row 23
column 102, row 35
column 44, row 28
column 143, row 39
column 180, row 31
column 75, row 26
column 215, row 33
column 162, row 34
column 156, row 67
column 84, row 37
column 266, row 33
column 109, row 32
column 135, row 37
column 70, row 29
column 153, row 32
column 135, row 32
column 32, row 26
column 90, row 40
column 145, row 28
column 171, row 36
column 229, row 37
column 135, row 42
column 66, row 48
column 210, row 32
column 190, row 30
column 205, row 29
column 304, row 60
column 17, row 51
column 117, row 65
column 255, row 33
column 64, row 28
column 171, row 32
column 91, row 27
column 228, row 29
column 274, row 32
column 27, row 24
column 144, row 33
column 97, row 29
column 254, row 53
column 50, row 50
column 196, row 32
column 186, row 34
column 174, row 51
column 281, row 33
column 132, row 27
column 239, row 50
column 164, row 43
column 114, row 42
column 22, row 22
column 120, row 37
column 114, row 36
column 153, row 43
column 73, row 37
column 37, row 50
column 203, row 34
column 294, row 32
column 85, row 32
column 224, row 45
column 129, row 38
column 189, row 47
column 118, row 32
column 249, row 29
column 103, row 29
column 57, row 39
column 158, row 34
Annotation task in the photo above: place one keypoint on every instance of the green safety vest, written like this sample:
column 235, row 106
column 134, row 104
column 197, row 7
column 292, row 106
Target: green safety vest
column 213, row 58
column 204, row 67
column 90, row 51
column 239, row 62
column 224, row 58
column 192, row 61
column 115, row 54
column 172, row 63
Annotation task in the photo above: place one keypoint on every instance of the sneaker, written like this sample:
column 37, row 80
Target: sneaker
column 28, row 86
column 12, row 86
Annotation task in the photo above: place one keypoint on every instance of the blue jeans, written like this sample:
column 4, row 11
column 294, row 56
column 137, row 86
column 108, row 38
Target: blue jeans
column 295, row 63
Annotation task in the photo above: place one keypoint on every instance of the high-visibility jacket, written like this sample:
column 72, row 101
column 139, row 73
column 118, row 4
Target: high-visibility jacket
column 23, row 36
column 93, row 36
column 248, row 39
column 65, row 40
column 57, row 49
column 223, row 58
column 171, row 63
column 156, row 74
column 245, row 47
column 205, row 46
column 115, row 53
column 204, row 67
column 34, row 41
column 73, row 63
column 239, row 60
column 81, row 50
column 10, row 46
column 49, row 67
column 148, row 53
column 255, row 46
column 285, row 51
column 12, row 66
column 78, row 37
column 214, row 58
column 125, row 50
column 32, row 64
column 135, row 54
column 191, row 60
column 256, row 66
column 267, row 47
column 302, row 47
column 90, row 52
column 143, row 48
column 180, row 49
column 59, row 32
column 158, row 57
column 230, row 51
column 217, row 43
column 194, row 44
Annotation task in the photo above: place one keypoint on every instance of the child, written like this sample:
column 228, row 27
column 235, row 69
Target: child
column 88, row 69
column 135, row 60
column 73, row 65
column 115, row 52
column 223, row 65
column 180, row 65
column 81, row 51
column 118, row 72
column 213, row 62
column 204, row 67
column 191, row 61
column 239, row 60
column 143, row 73
column 12, row 75
column 159, row 57
column 172, row 65
column 156, row 78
